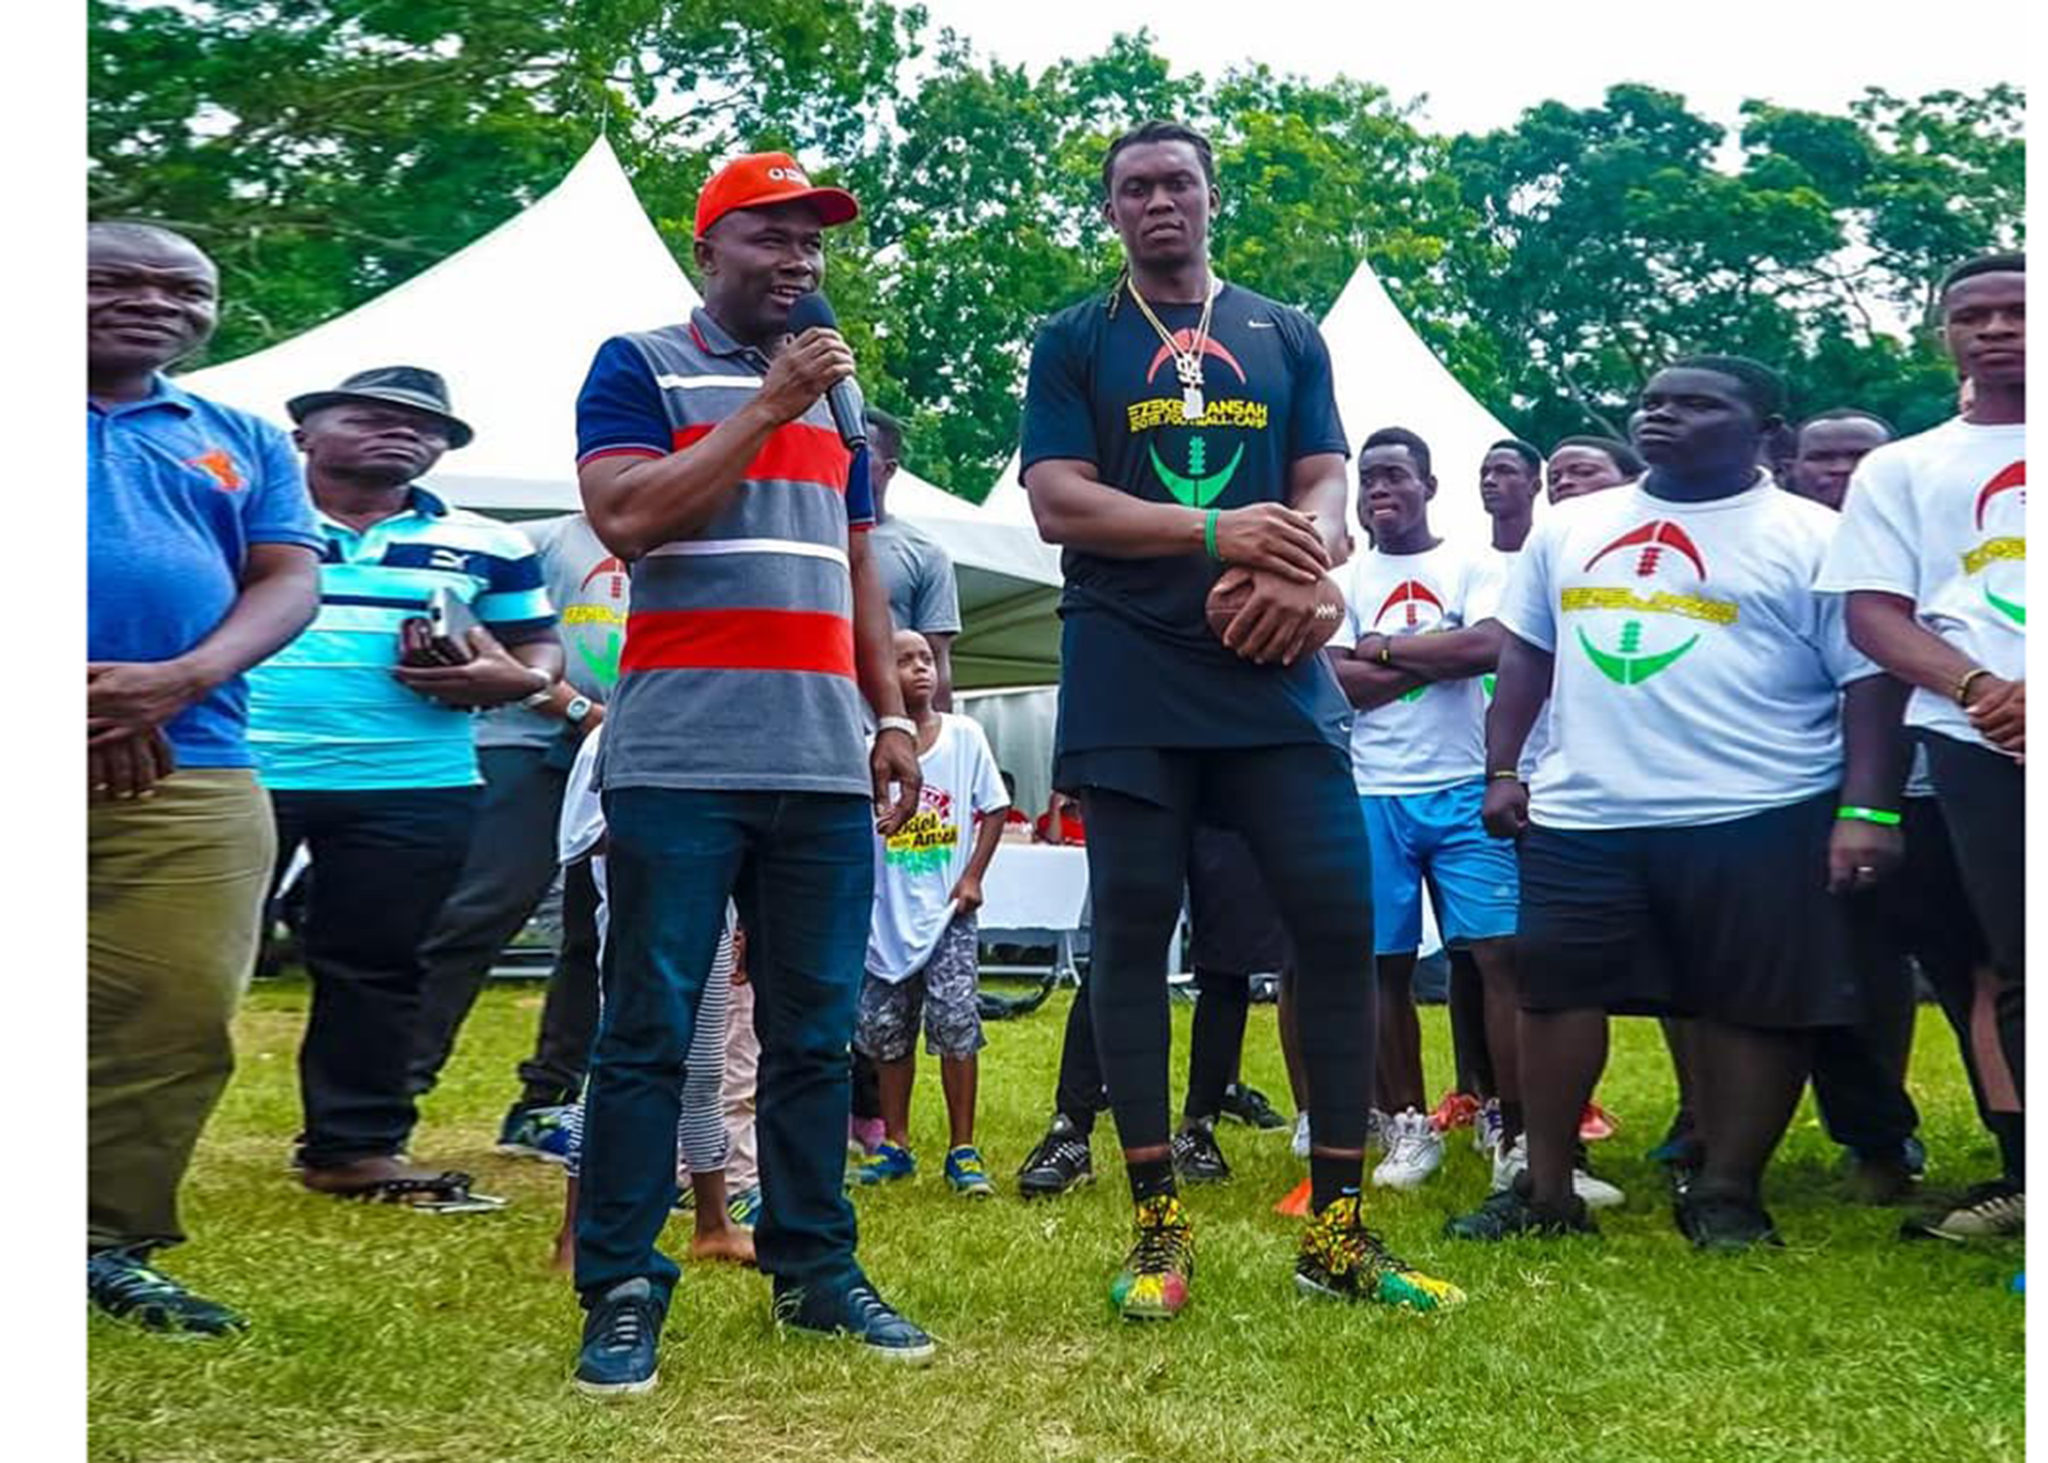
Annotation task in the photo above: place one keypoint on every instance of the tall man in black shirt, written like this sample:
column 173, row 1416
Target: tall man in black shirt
column 1176, row 432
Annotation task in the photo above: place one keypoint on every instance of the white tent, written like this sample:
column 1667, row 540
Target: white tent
column 512, row 320
column 1386, row 376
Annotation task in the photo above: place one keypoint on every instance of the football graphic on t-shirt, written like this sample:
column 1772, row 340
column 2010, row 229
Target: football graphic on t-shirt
column 1641, row 614
column 1999, row 561
column 594, row 626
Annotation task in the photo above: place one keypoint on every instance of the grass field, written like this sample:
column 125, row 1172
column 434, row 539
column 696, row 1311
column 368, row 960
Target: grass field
column 383, row 1336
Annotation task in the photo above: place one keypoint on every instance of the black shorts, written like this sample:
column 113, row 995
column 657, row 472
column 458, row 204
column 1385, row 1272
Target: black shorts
column 1731, row 921
column 1236, row 929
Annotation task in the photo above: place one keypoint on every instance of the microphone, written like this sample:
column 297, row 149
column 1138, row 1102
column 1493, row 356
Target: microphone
column 849, row 411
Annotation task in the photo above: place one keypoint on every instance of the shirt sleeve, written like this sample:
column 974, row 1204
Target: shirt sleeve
column 277, row 510
column 1058, row 422
column 937, row 603
column 1528, row 607
column 1843, row 662
column 989, row 794
column 1315, row 427
column 1483, row 588
column 1875, row 545
column 1346, row 635
column 515, row 598
column 619, row 411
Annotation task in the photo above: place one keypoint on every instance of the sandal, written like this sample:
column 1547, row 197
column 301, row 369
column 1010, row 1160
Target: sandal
column 434, row 1193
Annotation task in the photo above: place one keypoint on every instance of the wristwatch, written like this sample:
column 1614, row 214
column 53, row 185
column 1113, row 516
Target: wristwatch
column 577, row 709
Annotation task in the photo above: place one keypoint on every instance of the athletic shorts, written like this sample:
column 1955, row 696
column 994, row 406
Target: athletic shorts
column 944, row 992
column 1436, row 839
column 1731, row 921
column 1234, row 926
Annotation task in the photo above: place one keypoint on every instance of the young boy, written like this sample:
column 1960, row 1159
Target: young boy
column 923, row 952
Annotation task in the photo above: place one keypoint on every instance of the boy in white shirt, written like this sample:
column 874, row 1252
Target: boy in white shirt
column 924, row 955
column 1721, row 760
column 1932, row 561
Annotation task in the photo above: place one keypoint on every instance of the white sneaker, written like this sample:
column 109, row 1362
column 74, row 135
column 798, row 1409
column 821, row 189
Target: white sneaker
column 1486, row 1130
column 1510, row 1162
column 1301, row 1140
column 1415, row 1150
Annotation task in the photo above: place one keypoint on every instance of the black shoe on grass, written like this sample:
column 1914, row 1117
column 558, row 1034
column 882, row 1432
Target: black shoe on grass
column 121, row 1283
column 1249, row 1106
column 1724, row 1223
column 1196, row 1158
column 1508, row 1214
column 1060, row 1162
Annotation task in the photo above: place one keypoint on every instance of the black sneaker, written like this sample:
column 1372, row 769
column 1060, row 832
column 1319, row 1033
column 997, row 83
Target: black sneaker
column 1060, row 1162
column 621, row 1341
column 1724, row 1222
column 1989, row 1211
column 856, row 1311
column 1248, row 1105
column 121, row 1283
column 1508, row 1214
column 1196, row 1158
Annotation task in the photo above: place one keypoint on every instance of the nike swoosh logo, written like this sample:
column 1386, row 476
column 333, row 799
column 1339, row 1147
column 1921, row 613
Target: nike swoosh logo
column 1259, row 324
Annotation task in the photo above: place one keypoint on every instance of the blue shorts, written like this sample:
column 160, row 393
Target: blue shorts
column 1436, row 839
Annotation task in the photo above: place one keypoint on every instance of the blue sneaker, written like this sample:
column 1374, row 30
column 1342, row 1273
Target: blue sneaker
column 744, row 1208
column 121, row 1283
column 885, row 1164
column 621, row 1342
column 968, row 1174
column 852, row 1310
column 550, row 1134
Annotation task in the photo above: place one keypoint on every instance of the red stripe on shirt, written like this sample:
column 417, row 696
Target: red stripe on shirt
column 793, row 452
column 738, row 640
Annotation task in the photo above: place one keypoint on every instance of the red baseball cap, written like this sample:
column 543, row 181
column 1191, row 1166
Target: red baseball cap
column 762, row 178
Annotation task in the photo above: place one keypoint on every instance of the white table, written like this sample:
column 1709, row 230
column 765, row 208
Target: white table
column 1036, row 889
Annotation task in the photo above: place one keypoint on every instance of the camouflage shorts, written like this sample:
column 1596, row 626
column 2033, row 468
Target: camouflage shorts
column 944, row 991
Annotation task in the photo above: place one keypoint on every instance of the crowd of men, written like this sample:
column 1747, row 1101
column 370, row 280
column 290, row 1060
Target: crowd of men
column 1735, row 745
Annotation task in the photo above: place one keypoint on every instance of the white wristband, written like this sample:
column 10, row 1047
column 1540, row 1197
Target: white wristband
column 897, row 723
column 547, row 689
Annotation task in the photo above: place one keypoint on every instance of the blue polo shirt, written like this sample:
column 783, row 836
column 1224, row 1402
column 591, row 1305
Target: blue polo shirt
column 177, row 490
column 326, row 713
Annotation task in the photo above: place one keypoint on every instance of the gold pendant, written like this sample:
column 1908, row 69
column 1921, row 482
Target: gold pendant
column 1191, row 404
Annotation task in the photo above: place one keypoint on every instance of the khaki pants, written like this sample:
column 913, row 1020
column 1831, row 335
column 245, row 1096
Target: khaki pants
column 174, row 896
column 736, row 1095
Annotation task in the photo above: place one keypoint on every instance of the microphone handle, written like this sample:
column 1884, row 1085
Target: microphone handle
column 849, row 413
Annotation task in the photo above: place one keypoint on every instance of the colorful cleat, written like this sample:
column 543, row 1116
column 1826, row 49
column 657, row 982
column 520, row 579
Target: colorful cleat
column 550, row 1134
column 1153, row 1285
column 744, row 1208
column 968, row 1175
column 885, row 1165
column 1340, row 1258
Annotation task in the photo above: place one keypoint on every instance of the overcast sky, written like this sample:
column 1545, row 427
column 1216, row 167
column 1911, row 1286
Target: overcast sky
column 1481, row 62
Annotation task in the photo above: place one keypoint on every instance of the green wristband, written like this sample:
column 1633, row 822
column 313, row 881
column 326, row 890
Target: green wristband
column 1879, row 816
column 1209, row 533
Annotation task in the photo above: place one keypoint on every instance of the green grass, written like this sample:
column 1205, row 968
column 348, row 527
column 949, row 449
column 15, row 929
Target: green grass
column 383, row 1336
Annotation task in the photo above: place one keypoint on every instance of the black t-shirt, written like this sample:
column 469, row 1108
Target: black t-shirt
column 1139, row 666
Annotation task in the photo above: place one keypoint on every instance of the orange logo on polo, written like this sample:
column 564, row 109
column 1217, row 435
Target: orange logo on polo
column 217, row 465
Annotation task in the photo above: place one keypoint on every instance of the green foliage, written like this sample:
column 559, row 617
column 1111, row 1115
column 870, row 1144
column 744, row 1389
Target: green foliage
column 324, row 151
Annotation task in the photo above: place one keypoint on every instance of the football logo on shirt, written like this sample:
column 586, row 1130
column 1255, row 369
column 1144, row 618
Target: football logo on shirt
column 1999, row 562
column 1413, row 608
column 1642, row 625
column 595, row 629
column 1203, row 482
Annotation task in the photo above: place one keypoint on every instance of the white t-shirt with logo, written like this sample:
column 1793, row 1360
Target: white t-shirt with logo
column 917, row 866
column 1538, row 740
column 1941, row 518
column 1434, row 736
column 1698, row 673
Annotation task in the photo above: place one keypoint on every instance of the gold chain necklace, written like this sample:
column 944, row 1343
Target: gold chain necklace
column 1187, row 364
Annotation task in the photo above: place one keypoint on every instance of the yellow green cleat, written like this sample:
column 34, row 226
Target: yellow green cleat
column 1343, row 1260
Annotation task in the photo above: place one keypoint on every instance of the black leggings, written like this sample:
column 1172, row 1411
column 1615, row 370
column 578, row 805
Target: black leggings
column 1298, row 813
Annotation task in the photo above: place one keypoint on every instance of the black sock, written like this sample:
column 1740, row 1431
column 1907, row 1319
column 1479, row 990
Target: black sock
column 1083, row 1121
column 1150, row 1178
column 1329, row 1179
column 2010, row 1129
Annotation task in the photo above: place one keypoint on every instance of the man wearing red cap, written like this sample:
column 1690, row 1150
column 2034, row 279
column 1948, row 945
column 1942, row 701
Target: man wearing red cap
column 736, row 762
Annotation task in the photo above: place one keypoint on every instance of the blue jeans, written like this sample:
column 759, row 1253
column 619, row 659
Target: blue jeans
column 801, row 867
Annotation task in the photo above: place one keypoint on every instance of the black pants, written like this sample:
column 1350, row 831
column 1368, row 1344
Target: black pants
column 1859, row 1071
column 512, row 861
column 1296, row 810
column 383, row 863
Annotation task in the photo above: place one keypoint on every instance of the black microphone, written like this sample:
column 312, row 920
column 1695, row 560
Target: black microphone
column 849, row 411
